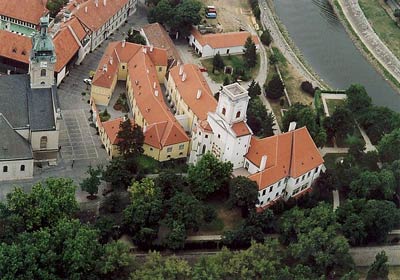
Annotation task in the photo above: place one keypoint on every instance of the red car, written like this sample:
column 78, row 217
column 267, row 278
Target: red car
column 203, row 69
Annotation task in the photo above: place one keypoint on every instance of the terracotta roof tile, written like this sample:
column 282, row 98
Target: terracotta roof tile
column 158, row 37
column 96, row 17
column 283, row 160
column 189, row 88
column 241, row 129
column 26, row 10
column 224, row 40
column 15, row 46
column 111, row 128
column 66, row 47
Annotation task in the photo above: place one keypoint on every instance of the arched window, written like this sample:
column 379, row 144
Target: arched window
column 203, row 150
column 43, row 142
column 238, row 114
column 43, row 73
column 223, row 111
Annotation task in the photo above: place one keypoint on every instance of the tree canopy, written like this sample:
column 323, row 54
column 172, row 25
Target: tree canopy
column 250, row 53
column 130, row 139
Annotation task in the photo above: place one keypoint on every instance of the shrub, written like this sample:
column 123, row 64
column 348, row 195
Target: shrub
column 266, row 38
column 275, row 88
column 209, row 214
column 306, row 86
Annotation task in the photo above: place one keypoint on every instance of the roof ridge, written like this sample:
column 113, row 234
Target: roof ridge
column 291, row 154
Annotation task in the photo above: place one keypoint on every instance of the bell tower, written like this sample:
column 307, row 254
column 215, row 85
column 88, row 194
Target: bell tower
column 232, row 103
column 43, row 58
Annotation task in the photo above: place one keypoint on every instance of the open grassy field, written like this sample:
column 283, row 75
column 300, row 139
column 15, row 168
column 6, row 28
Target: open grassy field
column 382, row 23
column 333, row 103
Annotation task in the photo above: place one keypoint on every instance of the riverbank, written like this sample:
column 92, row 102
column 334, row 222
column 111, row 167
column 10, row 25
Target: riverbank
column 364, row 50
column 283, row 41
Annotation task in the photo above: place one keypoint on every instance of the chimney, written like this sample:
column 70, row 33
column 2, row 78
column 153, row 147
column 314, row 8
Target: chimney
column 263, row 163
column 136, row 82
column 180, row 70
column 123, row 43
column 147, row 70
column 151, row 48
column 154, row 85
column 96, row 2
column 111, row 60
column 105, row 68
column 183, row 77
column 104, row 2
column 292, row 126
column 156, row 93
column 144, row 50
column 198, row 94
column 144, row 129
column 86, row 9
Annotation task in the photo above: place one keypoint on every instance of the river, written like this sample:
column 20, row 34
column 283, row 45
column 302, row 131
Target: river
column 328, row 49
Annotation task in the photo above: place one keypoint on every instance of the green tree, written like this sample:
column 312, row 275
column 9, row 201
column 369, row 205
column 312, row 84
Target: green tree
column 208, row 175
column 47, row 203
column 343, row 122
column 161, row 12
column 218, row 62
column 303, row 116
column 275, row 88
column 157, row 267
column 396, row 13
column 119, row 172
column 142, row 216
column 357, row 99
column 136, row 37
column 389, row 146
column 379, row 270
column 54, row 6
column 243, row 193
column 184, row 209
column 374, row 185
column 170, row 183
column 130, row 139
column 259, row 119
column 91, row 184
column 184, row 15
column 176, row 237
column 266, row 38
column 254, row 89
column 250, row 53
column 356, row 147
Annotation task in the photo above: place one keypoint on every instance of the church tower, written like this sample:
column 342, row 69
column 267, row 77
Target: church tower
column 43, row 58
column 232, row 103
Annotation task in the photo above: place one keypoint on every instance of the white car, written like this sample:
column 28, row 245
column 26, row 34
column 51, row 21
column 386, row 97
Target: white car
column 87, row 81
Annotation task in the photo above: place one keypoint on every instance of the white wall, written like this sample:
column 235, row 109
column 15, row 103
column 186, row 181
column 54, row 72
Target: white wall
column 52, row 139
column 271, row 193
column 14, row 170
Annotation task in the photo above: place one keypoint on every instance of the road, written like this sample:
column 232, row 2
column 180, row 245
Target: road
column 359, row 23
column 268, row 23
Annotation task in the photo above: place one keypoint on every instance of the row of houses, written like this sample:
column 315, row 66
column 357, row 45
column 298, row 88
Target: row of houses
column 80, row 28
column 181, row 119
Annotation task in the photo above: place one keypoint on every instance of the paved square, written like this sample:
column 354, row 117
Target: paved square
column 77, row 136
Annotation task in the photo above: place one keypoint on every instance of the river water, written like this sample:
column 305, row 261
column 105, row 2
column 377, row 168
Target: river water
column 325, row 45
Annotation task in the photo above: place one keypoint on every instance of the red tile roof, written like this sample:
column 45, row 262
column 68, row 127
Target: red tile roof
column 111, row 128
column 96, row 17
column 66, row 47
column 189, row 88
column 26, row 10
column 15, row 46
column 158, row 37
column 241, row 129
column 223, row 40
column 289, row 154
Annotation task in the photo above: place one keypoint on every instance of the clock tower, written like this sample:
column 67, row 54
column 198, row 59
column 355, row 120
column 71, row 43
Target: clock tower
column 43, row 58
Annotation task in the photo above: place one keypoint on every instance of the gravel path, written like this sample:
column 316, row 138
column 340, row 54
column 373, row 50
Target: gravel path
column 359, row 23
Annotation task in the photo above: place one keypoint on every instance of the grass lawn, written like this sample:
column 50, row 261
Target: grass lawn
column 382, row 23
column 235, row 61
column 227, row 219
column 333, row 103
column 394, row 272
column 331, row 159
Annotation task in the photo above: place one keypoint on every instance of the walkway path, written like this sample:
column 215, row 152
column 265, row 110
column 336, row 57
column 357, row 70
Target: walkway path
column 365, row 256
column 368, row 144
column 336, row 200
column 268, row 22
column 359, row 23
column 333, row 150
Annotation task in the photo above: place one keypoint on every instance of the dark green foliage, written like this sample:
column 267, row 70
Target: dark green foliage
column 266, row 38
column 250, row 53
column 379, row 270
column 259, row 119
column 343, row 122
column 136, row 37
column 142, row 216
column 176, row 237
column 254, row 89
column 227, row 81
column 218, row 62
column 306, row 86
column 358, row 99
column 54, row 6
column 396, row 13
column 91, row 183
column 209, row 213
column 208, row 175
column 374, row 185
column 275, row 87
column 184, row 209
column 130, row 139
column 120, row 172
column 389, row 146
column 356, row 147
column 243, row 193
column 364, row 221
column 114, row 203
column 169, row 184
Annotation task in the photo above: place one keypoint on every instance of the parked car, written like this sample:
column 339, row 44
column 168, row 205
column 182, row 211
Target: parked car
column 87, row 81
